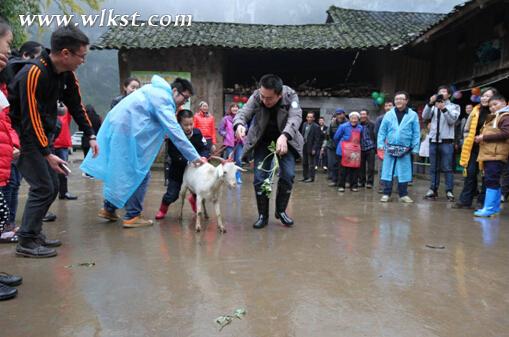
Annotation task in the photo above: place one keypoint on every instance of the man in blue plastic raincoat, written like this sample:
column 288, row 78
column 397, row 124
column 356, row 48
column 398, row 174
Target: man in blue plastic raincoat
column 130, row 138
column 399, row 137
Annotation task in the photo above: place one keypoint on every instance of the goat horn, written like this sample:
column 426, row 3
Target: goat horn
column 218, row 158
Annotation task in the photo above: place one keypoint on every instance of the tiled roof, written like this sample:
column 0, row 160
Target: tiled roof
column 349, row 29
column 396, row 28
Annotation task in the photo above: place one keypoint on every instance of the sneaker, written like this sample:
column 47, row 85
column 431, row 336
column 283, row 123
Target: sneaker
column 137, row 221
column 107, row 215
column 385, row 198
column 369, row 186
column 430, row 194
column 355, row 189
column 450, row 196
column 341, row 189
column 325, row 168
column 406, row 199
column 332, row 184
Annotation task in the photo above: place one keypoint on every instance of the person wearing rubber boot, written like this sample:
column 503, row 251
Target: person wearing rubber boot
column 276, row 116
column 179, row 162
column 493, row 153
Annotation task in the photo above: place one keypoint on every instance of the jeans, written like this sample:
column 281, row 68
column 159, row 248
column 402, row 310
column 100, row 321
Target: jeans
column 492, row 173
column 286, row 167
column 332, row 164
column 380, row 165
column 43, row 182
column 11, row 191
column 505, row 179
column 237, row 153
column 308, row 164
column 134, row 205
column 402, row 188
column 444, row 157
column 62, row 153
column 367, row 167
column 470, row 183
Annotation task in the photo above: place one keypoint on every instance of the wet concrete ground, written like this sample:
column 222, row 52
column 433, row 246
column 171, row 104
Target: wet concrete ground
column 351, row 267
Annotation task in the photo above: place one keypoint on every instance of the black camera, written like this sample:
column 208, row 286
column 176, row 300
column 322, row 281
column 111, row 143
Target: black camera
column 440, row 99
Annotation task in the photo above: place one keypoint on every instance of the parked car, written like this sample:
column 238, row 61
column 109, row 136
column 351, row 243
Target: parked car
column 76, row 140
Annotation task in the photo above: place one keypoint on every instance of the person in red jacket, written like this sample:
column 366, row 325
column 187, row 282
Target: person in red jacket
column 9, row 147
column 204, row 121
column 61, row 149
column 9, row 140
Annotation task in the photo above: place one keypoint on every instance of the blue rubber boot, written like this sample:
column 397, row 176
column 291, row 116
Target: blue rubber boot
column 491, row 203
column 239, row 179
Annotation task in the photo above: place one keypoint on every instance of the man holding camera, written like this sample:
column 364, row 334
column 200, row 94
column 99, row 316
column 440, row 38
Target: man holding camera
column 443, row 115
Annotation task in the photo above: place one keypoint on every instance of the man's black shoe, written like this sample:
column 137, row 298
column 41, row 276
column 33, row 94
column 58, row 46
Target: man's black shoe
column 10, row 280
column 44, row 241
column 6, row 292
column 49, row 217
column 35, row 251
column 68, row 196
column 459, row 205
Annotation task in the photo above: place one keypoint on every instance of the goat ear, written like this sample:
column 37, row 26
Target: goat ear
column 240, row 168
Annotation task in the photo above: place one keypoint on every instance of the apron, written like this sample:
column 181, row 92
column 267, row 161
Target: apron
column 351, row 151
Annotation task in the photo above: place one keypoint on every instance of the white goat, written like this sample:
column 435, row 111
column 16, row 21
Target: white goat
column 206, row 181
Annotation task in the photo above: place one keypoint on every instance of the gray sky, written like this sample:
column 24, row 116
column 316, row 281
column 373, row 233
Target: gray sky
column 270, row 11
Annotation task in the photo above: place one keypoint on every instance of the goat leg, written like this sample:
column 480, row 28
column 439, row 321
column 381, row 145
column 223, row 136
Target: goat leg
column 199, row 204
column 182, row 200
column 220, row 225
column 205, row 213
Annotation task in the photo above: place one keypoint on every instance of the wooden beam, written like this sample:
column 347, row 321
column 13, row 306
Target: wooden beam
column 468, row 9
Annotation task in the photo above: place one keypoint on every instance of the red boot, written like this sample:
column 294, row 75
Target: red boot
column 192, row 201
column 163, row 209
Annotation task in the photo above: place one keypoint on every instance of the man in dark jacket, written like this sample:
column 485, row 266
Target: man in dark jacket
column 277, row 116
column 368, row 147
column 33, row 94
column 321, row 156
column 330, row 146
column 312, row 135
